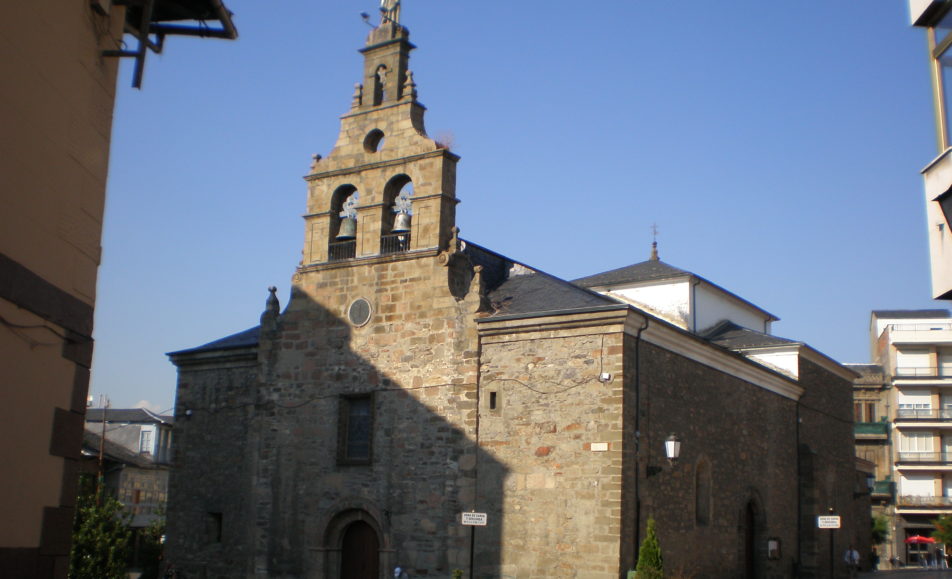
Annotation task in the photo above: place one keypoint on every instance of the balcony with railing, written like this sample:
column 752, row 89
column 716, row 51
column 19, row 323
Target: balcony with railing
column 338, row 250
column 394, row 243
column 883, row 489
column 871, row 430
column 935, row 458
column 924, row 415
column 918, row 501
column 923, row 372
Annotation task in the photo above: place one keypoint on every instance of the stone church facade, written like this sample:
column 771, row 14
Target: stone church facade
column 414, row 376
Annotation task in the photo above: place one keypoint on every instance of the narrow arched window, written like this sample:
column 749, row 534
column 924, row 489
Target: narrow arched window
column 702, row 493
column 380, row 85
column 397, row 218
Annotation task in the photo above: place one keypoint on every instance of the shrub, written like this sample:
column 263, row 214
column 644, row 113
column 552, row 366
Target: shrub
column 650, row 562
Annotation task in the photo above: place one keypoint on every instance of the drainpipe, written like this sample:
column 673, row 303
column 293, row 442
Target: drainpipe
column 638, row 436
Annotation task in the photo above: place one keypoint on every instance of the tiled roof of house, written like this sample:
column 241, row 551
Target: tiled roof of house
column 645, row 271
column 241, row 339
column 730, row 335
column 113, row 451
column 126, row 415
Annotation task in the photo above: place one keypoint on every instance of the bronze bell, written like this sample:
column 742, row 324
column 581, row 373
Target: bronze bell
column 348, row 229
column 401, row 224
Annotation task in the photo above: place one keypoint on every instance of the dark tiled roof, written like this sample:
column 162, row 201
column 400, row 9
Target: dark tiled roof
column 911, row 313
column 126, row 415
column 731, row 336
column 537, row 292
column 113, row 451
column 515, row 289
column 865, row 369
column 243, row 339
column 644, row 271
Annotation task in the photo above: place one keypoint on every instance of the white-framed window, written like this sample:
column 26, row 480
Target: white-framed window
column 916, row 442
column 145, row 441
column 914, row 399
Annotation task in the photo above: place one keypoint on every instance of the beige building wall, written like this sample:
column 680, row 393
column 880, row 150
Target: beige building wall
column 56, row 105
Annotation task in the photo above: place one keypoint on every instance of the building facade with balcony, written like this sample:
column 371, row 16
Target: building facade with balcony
column 935, row 16
column 903, row 414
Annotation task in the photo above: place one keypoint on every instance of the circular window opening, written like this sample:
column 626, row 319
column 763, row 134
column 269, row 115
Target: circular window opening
column 359, row 312
column 374, row 141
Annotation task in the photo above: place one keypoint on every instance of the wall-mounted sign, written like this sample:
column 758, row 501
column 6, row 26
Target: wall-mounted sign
column 474, row 519
column 828, row 522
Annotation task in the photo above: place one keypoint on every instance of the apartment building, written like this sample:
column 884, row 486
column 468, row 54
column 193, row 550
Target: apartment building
column 903, row 407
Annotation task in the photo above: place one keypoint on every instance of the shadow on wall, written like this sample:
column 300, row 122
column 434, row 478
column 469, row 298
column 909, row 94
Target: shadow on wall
column 310, row 457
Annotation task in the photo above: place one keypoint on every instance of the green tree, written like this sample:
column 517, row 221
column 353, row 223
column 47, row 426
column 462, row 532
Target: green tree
column 943, row 529
column 880, row 529
column 100, row 535
column 650, row 562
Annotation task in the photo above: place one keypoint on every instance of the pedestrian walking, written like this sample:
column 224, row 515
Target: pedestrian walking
column 851, row 558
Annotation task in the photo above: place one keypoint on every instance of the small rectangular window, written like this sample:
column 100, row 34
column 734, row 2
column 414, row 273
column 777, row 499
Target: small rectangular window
column 492, row 400
column 355, row 429
column 213, row 527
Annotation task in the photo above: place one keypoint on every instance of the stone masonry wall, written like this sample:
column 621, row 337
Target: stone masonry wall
column 826, row 436
column 556, row 434
column 747, row 436
column 209, row 484
column 417, row 357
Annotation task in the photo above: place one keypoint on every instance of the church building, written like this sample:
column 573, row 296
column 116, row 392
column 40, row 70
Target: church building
column 426, row 403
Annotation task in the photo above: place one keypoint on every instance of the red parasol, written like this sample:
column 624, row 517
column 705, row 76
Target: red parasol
column 920, row 539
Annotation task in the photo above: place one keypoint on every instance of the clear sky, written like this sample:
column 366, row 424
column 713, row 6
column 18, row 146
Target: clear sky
column 777, row 145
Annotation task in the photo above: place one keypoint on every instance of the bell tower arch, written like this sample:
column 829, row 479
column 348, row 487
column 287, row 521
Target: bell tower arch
column 382, row 141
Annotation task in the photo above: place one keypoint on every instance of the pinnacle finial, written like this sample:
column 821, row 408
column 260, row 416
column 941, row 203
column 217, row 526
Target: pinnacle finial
column 390, row 12
column 654, row 242
column 272, row 306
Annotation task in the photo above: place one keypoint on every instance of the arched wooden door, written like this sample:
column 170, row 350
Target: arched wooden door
column 360, row 552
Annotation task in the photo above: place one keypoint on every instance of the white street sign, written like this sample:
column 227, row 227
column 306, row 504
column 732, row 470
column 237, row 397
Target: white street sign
column 828, row 522
column 474, row 519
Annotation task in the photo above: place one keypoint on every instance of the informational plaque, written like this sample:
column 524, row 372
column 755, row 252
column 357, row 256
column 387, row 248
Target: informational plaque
column 477, row 519
column 828, row 522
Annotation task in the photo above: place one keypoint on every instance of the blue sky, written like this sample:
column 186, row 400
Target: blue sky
column 777, row 145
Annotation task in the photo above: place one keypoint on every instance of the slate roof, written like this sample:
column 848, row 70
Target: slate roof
column 126, row 415
column 865, row 369
column 650, row 270
column 912, row 313
column 113, row 451
column 731, row 336
column 537, row 292
column 654, row 270
column 241, row 339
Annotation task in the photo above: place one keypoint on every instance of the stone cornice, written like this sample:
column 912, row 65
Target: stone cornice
column 368, row 260
column 379, row 164
column 229, row 357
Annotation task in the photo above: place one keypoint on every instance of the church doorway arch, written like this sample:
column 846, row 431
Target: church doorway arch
column 360, row 549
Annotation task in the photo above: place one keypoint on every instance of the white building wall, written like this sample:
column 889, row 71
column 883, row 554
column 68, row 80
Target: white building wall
column 670, row 301
column 713, row 306
column 787, row 362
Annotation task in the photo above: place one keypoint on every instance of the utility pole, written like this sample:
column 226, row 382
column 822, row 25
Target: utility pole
column 100, row 482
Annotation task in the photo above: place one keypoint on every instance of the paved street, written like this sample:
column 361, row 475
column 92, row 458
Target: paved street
column 910, row 574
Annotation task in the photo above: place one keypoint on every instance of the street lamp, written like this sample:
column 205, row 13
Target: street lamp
column 672, row 448
column 672, row 451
